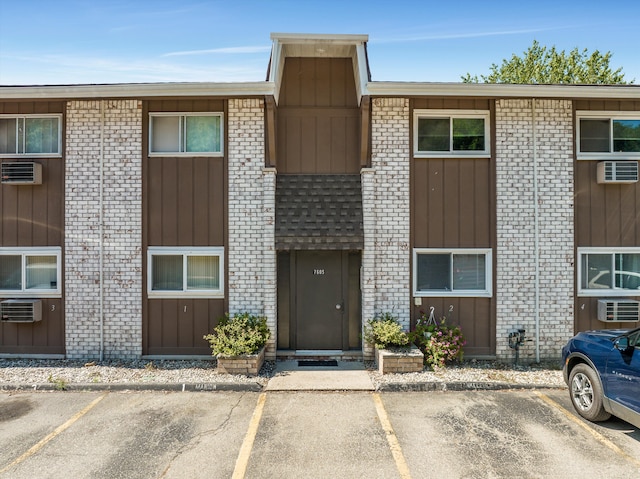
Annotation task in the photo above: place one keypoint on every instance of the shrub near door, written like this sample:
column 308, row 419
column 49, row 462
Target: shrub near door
column 393, row 350
column 238, row 343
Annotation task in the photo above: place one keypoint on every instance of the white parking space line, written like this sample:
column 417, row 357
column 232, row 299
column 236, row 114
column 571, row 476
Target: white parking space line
column 247, row 445
column 599, row 437
column 60, row 429
column 392, row 439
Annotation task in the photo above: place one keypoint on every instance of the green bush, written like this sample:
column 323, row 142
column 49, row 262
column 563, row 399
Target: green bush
column 385, row 332
column 240, row 334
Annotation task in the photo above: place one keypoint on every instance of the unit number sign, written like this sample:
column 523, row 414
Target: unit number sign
column 318, row 271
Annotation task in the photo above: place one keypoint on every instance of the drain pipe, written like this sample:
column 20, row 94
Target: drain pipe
column 536, row 227
column 101, row 232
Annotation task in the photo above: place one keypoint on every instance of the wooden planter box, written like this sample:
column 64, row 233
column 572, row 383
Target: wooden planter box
column 249, row 364
column 399, row 360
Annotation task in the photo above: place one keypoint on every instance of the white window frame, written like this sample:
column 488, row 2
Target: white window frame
column 34, row 155
column 451, row 114
column 30, row 252
column 605, row 115
column 185, row 252
column 462, row 293
column 182, row 117
column 605, row 291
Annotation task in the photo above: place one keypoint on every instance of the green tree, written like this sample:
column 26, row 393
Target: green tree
column 549, row 66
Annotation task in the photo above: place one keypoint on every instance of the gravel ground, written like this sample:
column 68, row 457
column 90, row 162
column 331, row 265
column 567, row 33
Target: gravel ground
column 14, row 372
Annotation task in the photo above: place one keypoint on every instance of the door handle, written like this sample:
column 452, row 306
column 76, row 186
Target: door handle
column 338, row 306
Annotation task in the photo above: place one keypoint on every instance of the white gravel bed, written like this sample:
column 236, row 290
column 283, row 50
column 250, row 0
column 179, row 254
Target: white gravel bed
column 548, row 374
column 63, row 372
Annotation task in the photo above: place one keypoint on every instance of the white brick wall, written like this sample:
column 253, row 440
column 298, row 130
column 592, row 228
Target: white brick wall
column 385, row 190
column 252, row 255
column 116, row 125
column 515, row 256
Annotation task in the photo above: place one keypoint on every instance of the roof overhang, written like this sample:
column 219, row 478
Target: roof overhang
column 321, row 46
column 136, row 90
column 500, row 90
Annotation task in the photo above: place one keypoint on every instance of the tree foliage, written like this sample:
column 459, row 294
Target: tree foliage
column 544, row 65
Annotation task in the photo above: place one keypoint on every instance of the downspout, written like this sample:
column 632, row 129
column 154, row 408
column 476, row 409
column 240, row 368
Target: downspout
column 101, row 232
column 536, row 227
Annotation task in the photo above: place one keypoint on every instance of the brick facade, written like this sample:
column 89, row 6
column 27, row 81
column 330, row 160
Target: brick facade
column 516, row 219
column 385, row 197
column 252, row 255
column 107, row 132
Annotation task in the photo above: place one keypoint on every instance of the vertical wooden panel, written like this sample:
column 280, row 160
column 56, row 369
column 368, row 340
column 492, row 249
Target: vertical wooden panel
column 184, row 202
column 32, row 216
column 184, row 205
column 284, row 301
column 435, row 204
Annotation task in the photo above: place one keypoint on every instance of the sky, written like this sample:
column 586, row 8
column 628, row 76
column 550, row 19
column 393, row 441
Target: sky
column 56, row 42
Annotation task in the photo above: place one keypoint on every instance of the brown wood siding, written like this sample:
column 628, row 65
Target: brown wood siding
column 184, row 204
column 453, row 206
column 605, row 215
column 34, row 216
column 318, row 118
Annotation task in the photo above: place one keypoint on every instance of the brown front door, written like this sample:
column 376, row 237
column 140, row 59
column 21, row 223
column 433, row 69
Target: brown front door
column 320, row 300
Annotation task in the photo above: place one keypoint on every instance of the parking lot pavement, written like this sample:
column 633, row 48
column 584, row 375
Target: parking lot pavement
column 473, row 434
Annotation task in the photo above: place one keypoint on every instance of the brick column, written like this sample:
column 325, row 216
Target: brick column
column 516, row 255
column 109, row 132
column 252, row 256
column 386, row 258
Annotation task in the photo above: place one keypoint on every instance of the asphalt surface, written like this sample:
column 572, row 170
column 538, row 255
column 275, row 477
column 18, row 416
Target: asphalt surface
column 349, row 434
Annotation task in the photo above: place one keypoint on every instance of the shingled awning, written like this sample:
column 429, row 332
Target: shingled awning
column 319, row 212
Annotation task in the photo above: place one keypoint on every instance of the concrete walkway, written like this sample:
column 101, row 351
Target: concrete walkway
column 346, row 376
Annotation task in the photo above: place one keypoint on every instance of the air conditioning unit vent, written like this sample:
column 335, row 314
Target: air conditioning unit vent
column 21, row 173
column 617, row 172
column 21, row 310
column 618, row 310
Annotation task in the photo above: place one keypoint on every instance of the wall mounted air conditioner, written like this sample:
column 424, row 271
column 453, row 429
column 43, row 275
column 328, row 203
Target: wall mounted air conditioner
column 21, row 173
column 20, row 311
column 618, row 310
column 617, row 171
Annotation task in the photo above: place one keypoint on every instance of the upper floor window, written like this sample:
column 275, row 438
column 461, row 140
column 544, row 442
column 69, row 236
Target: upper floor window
column 440, row 133
column 189, row 134
column 608, row 134
column 30, row 135
column 186, row 272
column 30, row 272
column 452, row 272
column 595, row 269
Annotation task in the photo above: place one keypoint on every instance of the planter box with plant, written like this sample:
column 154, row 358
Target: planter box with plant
column 393, row 350
column 238, row 343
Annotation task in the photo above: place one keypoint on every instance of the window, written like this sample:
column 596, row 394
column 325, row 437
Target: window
column 30, row 272
column 193, row 134
column 185, row 272
column 602, row 135
column 458, row 272
column 595, row 267
column 30, row 135
column 440, row 133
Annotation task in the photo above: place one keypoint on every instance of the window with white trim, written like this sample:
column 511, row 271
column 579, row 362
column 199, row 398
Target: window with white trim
column 594, row 271
column 452, row 272
column 34, row 272
column 608, row 135
column 30, row 135
column 438, row 133
column 185, row 134
column 185, row 272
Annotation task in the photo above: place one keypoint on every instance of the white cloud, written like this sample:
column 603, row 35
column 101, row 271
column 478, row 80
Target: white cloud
column 233, row 50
